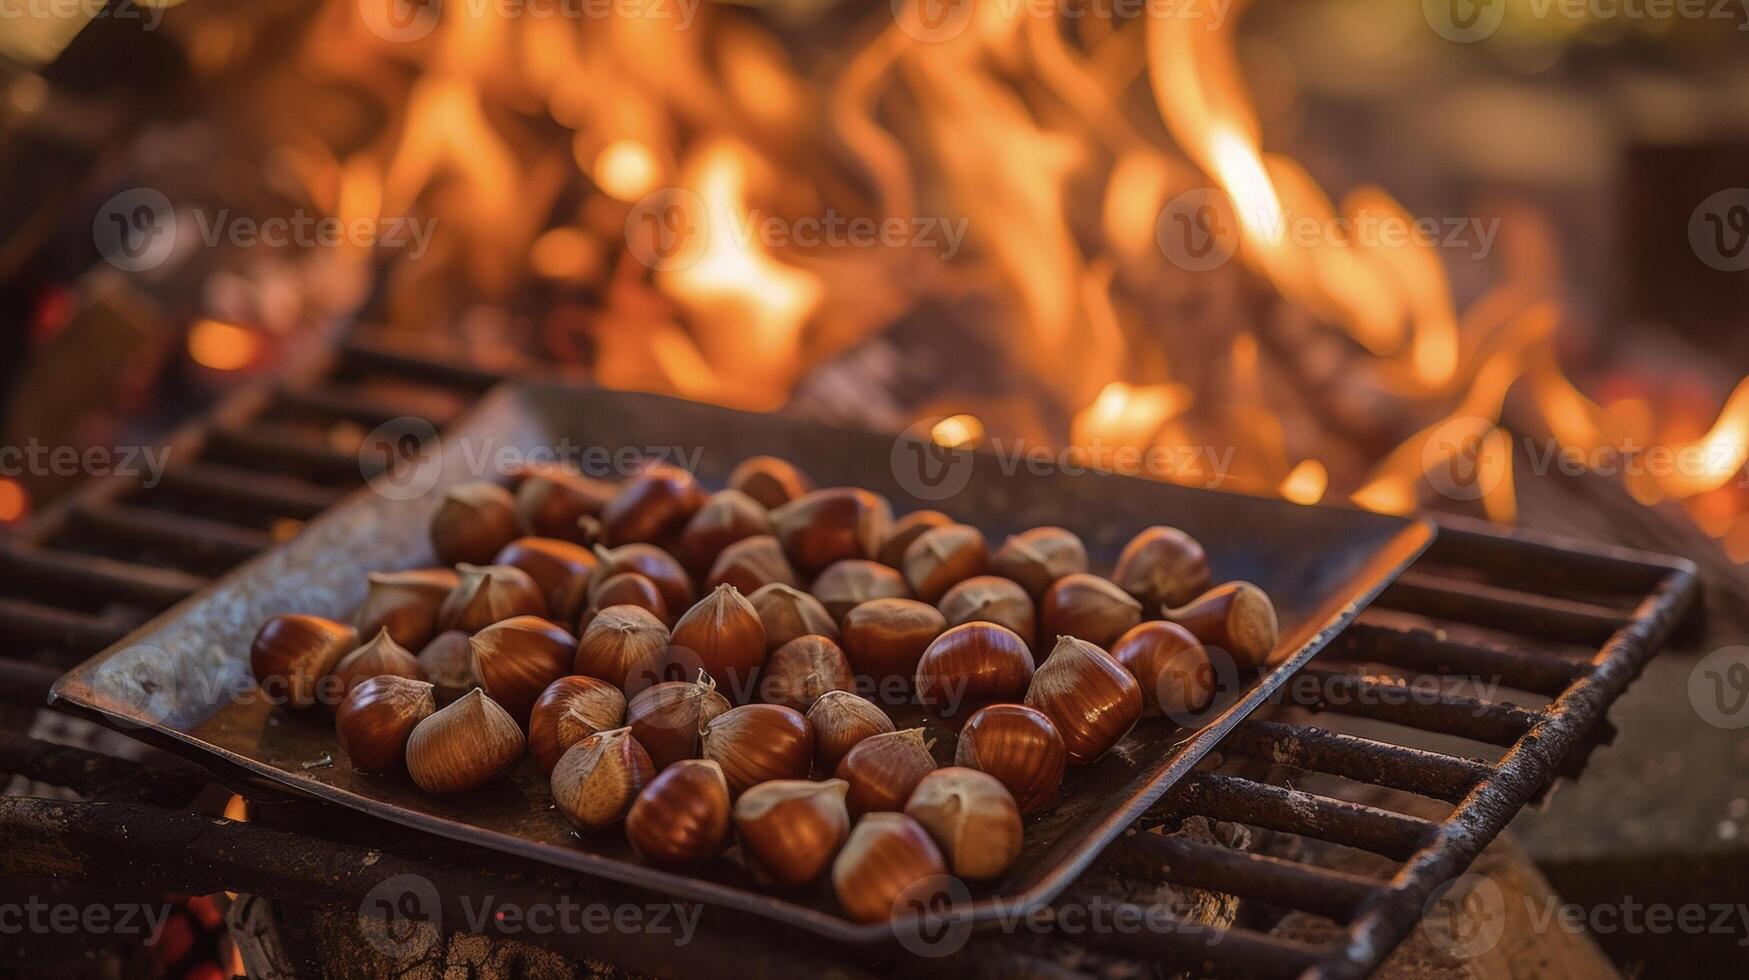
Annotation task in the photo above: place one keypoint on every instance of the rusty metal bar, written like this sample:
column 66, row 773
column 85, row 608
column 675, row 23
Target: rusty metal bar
column 83, row 576
column 29, row 625
column 1338, row 688
column 1223, row 797
column 270, row 495
column 1332, row 894
column 1562, row 620
column 98, row 776
column 346, row 403
column 1389, row 915
column 282, row 449
column 1432, row 774
column 1515, row 555
column 361, row 353
column 198, row 540
column 1201, row 949
column 26, row 682
column 1425, row 651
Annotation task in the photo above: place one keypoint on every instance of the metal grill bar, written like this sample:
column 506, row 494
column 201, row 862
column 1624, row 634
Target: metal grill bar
column 268, row 494
column 1425, row 652
column 1223, row 797
column 1340, row 688
column 1502, row 609
column 29, row 624
column 1431, row 774
column 198, row 540
column 1333, row 894
column 80, row 576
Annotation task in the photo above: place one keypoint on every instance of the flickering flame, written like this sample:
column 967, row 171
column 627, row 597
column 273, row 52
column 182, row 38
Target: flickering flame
column 222, row 346
column 626, row 169
column 1127, row 415
column 957, row 431
column 14, row 502
column 1306, row 483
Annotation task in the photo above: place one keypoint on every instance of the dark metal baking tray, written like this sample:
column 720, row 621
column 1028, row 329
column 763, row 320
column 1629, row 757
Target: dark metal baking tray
column 176, row 681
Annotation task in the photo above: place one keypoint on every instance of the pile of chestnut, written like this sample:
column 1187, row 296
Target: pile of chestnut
column 570, row 628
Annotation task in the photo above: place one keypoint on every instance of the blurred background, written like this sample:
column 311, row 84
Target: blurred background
column 1485, row 258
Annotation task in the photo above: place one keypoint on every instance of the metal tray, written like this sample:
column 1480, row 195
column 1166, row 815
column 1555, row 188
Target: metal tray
column 182, row 680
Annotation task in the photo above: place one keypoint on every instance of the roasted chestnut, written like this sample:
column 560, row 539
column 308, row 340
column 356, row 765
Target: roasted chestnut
column 797, row 673
column 516, row 659
column 596, row 781
column 885, row 638
column 472, row 522
column 1170, row 664
column 882, row 770
column 723, row 636
column 486, row 594
column 1039, row 557
column 788, row 612
column 650, row 506
column 292, row 654
column 831, row 525
column 943, row 557
column 1019, row 746
column 1088, row 695
column 844, row 585
column 888, row 859
column 971, row 817
column 770, row 480
column 551, row 500
column 449, row 665
column 1088, row 607
column 405, row 604
column 991, row 599
column 971, row 666
column 757, row 743
column 681, row 819
column 380, row 655
column 652, row 563
column 666, row 718
column 907, row 529
column 625, row 646
column 1162, row 566
column 624, row 589
column 463, row 746
column 841, row 719
column 375, row 719
column 1236, row 617
column 750, row 564
column 727, row 516
column 561, row 569
column 570, row 710
column 790, row 829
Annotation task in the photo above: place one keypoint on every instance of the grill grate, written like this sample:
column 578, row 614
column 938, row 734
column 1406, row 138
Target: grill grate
column 1565, row 628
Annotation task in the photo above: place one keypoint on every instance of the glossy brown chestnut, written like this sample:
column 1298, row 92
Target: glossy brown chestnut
column 727, row 516
column 840, row 720
column 1019, row 746
column 406, row 604
column 652, row 563
column 561, row 569
column 291, row 655
column 971, row 666
column 885, row 638
column 1170, row 664
column 943, row 557
column 378, row 656
column 550, row 501
column 788, row 612
column 790, row 829
column 757, row 743
column 516, row 659
column 886, row 861
column 844, row 585
column 1039, row 557
column 770, row 480
column 472, row 522
column 596, row 781
column 486, row 594
column 666, row 718
column 831, row 525
column 882, row 770
column 463, row 746
column 1088, row 607
column 681, row 819
column 751, row 564
column 907, row 529
column 570, row 710
column 971, row 817
column 625, row 589
column 650, row 506
column 377, row 717
column 991, row 599
column 722, row 636
column 449, row 665
column 1088, row 695
column 1162, row 566
column 1236, row 617
column 797, row 673
column 625, row 646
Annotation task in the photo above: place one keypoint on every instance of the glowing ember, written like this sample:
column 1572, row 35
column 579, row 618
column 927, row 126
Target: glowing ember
column 14, row 502
column 626, row 169
column 956, row 431
column 222, row 346
column 1306, row 483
